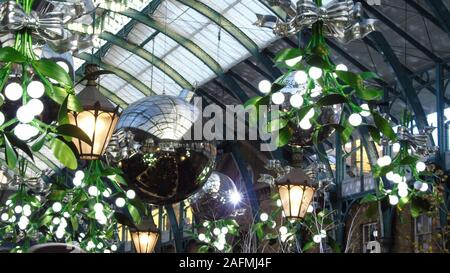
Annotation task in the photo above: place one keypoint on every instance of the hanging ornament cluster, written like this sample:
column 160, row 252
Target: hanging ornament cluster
column 342, row 20
column 81, row 211
column 151, row 146
column 316, row 83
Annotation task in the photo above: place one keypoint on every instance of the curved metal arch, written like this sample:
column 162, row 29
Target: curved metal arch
column 234, row 31
column 149, row 57
column 127, row 77
column 180, row 39
column 190, row 46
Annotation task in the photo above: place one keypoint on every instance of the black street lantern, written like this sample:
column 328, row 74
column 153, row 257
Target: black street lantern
column 145, row 235
column 296, row 193
column 98, row 118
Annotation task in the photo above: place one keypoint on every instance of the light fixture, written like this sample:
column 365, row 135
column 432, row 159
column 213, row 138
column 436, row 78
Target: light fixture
column 97, row 120
column 145, row 235
column 296, row 193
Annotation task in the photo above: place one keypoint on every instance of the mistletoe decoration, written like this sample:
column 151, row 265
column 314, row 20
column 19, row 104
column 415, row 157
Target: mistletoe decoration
column 314, row 91
column 83, row 211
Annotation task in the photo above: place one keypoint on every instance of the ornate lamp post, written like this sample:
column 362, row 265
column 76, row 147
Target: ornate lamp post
column 98, row 119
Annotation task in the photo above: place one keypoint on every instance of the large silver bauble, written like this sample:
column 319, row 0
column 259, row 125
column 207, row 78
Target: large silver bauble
column 214, row 201
column 157, row 160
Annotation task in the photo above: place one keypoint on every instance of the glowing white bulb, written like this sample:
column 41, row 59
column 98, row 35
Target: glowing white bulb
column 66, row 214
column 300, row 77
column 264, row 217
column 107, row 193
column 279, row 204
column 220, row 247
column 114, row 248
column 278, row 98
column 315, row 73
column 396, row 147
column 35, row 106
column 310, row 114
column 305, row 124
column 23, row 225
column 341, row 67
column 216, row 231
column 79, row 174
column 98, row 207
column 26, row 212
column 420, row 166
column 393, row 200
column 296, row 100
column 390, row 176
column 120, row 202
column 4, row 217
column 265, row 86
column 316, row 91
column 56, row 207
column 294, row 61
column 56, row 221
column 355, row 119
column 235, row 197
column 424, row 187
column 18, row 209
column 35, row 89
column 24, row 114
column 317, row 239
column 201, row 237
column 224, row 230
column 283, row 230
column 63, row 65
column 396, row 178
column 2, row 118
column 365, row 110
column 77, row 181
column 13, row 91
column 310, row 209
column 418, row 185
column 131, row 194
column 93, row 191
column 402, row 192
column 384, row 161
column 25, row 131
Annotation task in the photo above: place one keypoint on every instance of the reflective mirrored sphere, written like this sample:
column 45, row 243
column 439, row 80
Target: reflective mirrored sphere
column 151, row 146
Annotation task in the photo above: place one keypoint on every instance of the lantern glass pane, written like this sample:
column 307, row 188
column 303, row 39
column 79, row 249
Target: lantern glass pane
column 99, row 129
column 144, row 241
column 295, row 199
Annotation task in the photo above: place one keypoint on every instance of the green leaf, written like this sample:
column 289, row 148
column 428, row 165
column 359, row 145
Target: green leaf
column 309, row 246
column 371, row 211
column 73, row 131
column 59, row 94
column 347, row 132
column 56, row 195
column 53, row 71
column 288, row 54
column 284, row 136
column 62, row 114
column 118, row 179
column 253, row 101
column 10, row 153
column 319, row 62
column 369, row 198
column 137, row 203
column 369, row 93
column 303, row 111
column 334, row 245
column 374, row 133
column 276, row 125
column 332, row 99
column 354, row 80
column 9, row 54
column 384, row 126
column 409, row 160
column 64, row 153
column 45, row 220
column 368, row 75
column 203, row 249
column 19, row 144
column 134, row 213
column 37, row 146
column 74, row 222
column 258, row 228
